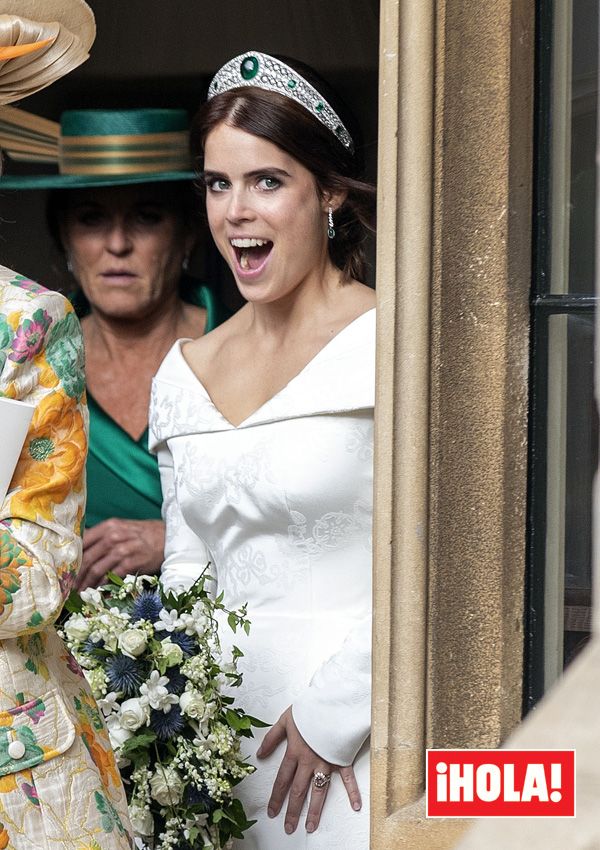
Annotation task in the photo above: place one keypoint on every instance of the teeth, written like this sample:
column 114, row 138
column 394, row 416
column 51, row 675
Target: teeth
column 248, row 243
column 244, row 260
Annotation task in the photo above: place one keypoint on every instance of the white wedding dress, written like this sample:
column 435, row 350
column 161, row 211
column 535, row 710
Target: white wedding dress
column 282, row 507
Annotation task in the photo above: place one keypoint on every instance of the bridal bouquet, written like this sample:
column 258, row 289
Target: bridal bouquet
column 154, row 664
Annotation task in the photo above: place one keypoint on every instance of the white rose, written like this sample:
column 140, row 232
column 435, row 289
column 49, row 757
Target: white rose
column 171, row 652
column 118, row 735
column 141, row 820
column 166, row 786
column 132, row 714
column 92, row 596
column 192, row 704
column 133, row 642
column 77, row 627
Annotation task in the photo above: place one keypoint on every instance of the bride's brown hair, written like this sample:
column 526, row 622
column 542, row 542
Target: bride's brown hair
column 291, row 127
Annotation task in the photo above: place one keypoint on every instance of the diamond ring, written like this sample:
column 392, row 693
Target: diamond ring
column 321, row 779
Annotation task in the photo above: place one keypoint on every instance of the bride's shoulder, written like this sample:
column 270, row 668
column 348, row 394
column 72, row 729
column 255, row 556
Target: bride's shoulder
column 210, row 346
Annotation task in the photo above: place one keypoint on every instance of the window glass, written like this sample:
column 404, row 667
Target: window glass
column 563, row 419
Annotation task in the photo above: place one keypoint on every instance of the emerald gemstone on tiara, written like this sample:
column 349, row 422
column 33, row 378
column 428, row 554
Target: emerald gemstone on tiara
column 249, row 67
column 266, row 72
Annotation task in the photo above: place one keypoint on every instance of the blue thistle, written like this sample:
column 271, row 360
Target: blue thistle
column 147, row 606
column 194, row 796
column 124, row 674
column 90, row 645
column 167, row 725
column 187, row 643
column 177, row 681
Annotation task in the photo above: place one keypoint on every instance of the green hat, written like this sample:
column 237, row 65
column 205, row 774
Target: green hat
column 98, row 147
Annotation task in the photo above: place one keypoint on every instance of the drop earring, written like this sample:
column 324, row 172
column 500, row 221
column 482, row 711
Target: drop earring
column 185, row 264
column 69, row 264
column 330, row 228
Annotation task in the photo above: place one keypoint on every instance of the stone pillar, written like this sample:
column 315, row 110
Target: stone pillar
column 453, row 286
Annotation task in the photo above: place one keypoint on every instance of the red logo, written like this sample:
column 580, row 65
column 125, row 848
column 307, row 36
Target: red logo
column 500, row 783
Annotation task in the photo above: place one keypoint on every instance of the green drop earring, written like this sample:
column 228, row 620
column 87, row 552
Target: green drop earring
column 330, row 228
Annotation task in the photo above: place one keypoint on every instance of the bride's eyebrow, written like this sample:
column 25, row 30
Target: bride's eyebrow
column 257, row 172
column 211, row 175
column 270, row 170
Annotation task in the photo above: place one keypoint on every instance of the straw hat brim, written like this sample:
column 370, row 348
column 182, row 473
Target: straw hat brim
column 75, row 15
column 78, row 181
column 70, row 29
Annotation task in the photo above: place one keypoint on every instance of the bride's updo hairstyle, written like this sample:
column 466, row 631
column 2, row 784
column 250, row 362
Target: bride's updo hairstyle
column 336, row 166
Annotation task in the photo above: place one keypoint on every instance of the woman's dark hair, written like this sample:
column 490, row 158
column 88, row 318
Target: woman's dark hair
column 291, row 127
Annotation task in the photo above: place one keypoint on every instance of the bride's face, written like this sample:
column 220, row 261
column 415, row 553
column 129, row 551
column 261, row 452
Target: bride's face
column 265, row 213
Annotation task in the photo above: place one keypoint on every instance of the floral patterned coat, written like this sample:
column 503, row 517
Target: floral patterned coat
column 59, row 784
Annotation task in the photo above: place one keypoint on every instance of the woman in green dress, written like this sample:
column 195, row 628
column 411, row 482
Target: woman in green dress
column 127, row 233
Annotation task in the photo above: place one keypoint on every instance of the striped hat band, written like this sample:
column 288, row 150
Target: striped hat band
column 98, row 147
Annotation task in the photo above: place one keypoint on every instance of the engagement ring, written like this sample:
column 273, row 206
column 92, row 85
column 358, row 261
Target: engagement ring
column 321, row 779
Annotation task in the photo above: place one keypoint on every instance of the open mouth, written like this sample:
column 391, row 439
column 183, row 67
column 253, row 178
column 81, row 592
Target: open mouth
column 251, row 254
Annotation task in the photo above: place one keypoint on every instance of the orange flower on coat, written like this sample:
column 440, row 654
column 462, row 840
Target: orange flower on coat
column 52, row 459
column 4, row 837
column 103, row 759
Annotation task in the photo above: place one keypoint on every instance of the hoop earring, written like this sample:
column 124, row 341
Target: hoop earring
column 330, row 228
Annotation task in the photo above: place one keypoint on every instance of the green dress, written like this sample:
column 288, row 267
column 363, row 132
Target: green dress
column 122, row 476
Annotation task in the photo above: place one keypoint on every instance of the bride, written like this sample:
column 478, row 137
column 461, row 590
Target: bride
column 264, row 430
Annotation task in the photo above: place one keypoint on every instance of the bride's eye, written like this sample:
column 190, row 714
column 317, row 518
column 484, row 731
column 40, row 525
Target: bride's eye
column 216, row 184
column 269, row 183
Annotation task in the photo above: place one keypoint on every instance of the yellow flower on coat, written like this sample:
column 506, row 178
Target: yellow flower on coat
column 47, row 377
column 8, row 783
column 14, row 319
column 4, row 837
column 52, row 459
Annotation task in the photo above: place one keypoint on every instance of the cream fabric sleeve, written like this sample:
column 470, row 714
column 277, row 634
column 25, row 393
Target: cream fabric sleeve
column 42, row 513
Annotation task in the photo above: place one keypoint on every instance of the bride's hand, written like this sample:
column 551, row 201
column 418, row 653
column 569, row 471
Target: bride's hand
column 296, row 774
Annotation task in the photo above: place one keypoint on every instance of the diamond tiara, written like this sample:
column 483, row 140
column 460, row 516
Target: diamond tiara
column 264, row 72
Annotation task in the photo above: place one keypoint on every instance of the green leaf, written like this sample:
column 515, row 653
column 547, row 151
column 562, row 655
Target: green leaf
column 232, row 621
column 113, row 578
column 259, row 724
column 233, row 719
column 247, row 626
column 138, row 742
column 73, row 603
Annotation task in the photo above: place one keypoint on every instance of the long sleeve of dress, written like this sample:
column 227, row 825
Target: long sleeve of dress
column 333, row 714
column 41, row 362
column 186, row 555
